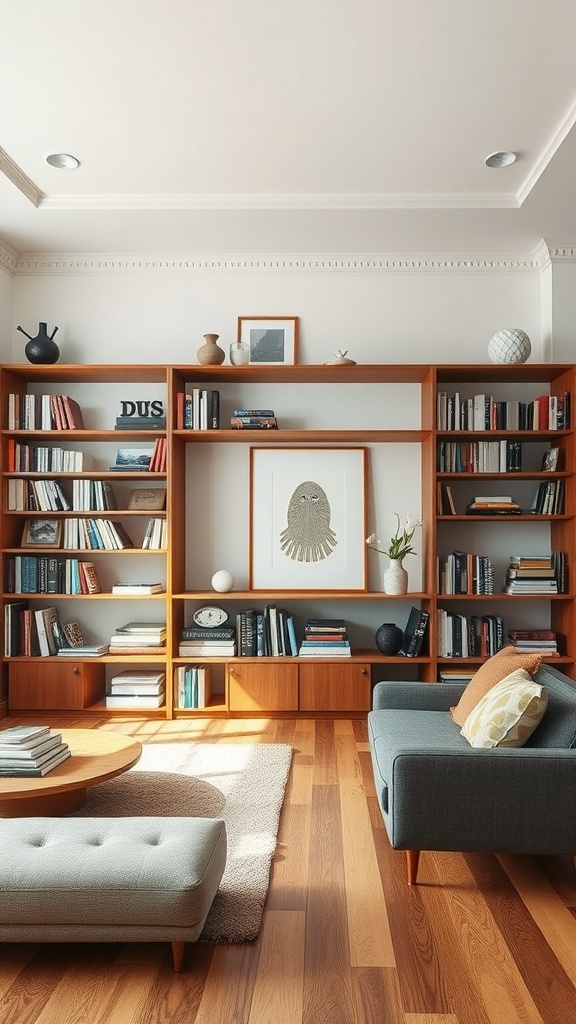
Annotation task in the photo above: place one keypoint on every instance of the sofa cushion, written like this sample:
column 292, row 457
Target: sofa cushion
column 557, row 730
column 491, row 672
column 508, row 714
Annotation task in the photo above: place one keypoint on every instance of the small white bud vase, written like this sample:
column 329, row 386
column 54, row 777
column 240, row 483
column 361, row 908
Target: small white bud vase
column 395, row 578
column 509, row 346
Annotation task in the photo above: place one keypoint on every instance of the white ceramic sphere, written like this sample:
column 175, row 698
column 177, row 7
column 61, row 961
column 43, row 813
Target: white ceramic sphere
column 509, row 346
column 222, row 581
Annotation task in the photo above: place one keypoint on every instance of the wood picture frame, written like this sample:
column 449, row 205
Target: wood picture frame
column 271, row 340
column 308, row 519
column 42, row 533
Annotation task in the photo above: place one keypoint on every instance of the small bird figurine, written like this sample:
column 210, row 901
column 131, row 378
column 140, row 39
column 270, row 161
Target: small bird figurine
column 340, row 359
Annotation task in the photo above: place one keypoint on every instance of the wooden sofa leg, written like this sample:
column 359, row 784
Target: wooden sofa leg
column 412, row 858
column 178, row 955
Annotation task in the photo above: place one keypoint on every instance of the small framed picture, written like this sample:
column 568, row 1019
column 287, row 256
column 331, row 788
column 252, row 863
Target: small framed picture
column 550, row 460
column 271, row 340
column 42, row 533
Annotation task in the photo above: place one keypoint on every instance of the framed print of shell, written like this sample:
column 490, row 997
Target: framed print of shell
column 307, row 519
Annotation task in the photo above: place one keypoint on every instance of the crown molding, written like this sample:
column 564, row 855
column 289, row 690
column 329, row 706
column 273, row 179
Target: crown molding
column 92, row 263
column 562, row 253
column 16, row 175
column 285, row 201
column 8, row 259
column 548, row 153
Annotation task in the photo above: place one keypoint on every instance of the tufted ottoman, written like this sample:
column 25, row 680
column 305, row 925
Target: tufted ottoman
column 109, row 879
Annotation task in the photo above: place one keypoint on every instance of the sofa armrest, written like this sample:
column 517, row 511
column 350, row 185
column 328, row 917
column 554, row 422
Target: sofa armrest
column 500, row 800
column 406, row 696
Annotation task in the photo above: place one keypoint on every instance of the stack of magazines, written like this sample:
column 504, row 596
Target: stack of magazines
column 27, row 751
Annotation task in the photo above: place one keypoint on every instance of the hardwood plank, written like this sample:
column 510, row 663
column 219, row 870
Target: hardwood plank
column 15, row 957
column 325, row 766
column 227, row 994
column 554, row 920
column 278, row 990
column 430, row 1018
column 376, row 996
column 113, row 997
column 369, row 937
column 346, row 750
column 327, row 982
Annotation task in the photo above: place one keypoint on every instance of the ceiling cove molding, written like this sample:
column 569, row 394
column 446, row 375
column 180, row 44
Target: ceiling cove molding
column 563, row 253
column 284, row 201
column 100, row 263
column 23, row 183
column 8, row 259
column 547, row 154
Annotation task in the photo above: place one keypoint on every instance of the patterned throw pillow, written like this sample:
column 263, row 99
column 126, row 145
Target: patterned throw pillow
column 508, row 714
column 491, row 672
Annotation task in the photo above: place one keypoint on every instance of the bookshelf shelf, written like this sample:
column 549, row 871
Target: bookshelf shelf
column 194, row 466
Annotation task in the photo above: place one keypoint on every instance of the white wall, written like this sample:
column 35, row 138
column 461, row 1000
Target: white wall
column 160, row 315
column 6, row 328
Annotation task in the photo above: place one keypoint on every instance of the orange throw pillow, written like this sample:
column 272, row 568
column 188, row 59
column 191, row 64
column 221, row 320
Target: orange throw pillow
column 491, row 672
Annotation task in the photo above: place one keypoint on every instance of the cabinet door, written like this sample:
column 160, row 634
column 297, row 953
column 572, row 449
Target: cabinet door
column 331, row 687
column 52, row 686
column 262, row 687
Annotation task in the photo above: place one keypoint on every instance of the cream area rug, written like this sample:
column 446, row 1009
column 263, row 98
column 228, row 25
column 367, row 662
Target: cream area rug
column 242, row 783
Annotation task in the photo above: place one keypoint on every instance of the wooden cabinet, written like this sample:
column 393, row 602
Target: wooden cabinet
column 335, row 687
column 255, row 686
column 44, row 685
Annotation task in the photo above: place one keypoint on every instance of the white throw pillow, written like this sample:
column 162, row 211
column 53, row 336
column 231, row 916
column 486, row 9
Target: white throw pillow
column 508, row 714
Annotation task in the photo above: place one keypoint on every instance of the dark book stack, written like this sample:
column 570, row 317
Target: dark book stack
column 531, row 575
column 479, row 456
column 140, row 423
column 543, row 641
column 207, row 642
column 30, row 751
column 414, row 632
column 253, row 419
column 325, row 638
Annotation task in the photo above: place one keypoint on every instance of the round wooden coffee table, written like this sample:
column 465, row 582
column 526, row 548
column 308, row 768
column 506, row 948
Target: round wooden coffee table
column 96, row 756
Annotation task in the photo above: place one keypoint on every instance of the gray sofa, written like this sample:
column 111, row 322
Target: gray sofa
column 436, row 792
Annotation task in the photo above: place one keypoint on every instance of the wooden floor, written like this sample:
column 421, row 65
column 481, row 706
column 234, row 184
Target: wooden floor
column 482, row 940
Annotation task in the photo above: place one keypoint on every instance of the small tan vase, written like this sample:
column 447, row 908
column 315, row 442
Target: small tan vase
column 210, row 354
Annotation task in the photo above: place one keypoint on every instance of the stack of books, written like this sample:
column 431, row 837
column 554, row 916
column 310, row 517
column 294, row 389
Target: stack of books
column 135, row 589
column 139, row 638
column 140, row 423
column 137, row 689
column 534, row 640
column 27, row 751
column 207, row 642
column 325, row 638
column 493, row 505
column 253, row 419
column 531, row 574
column 193, row 686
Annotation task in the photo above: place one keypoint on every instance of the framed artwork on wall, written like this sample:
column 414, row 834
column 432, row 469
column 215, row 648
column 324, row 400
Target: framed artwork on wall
column 308, row 519
column 271, row 340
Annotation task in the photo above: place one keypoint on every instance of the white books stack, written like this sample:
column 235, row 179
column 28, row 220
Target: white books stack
column 139, row 638
column 30, row 751
column 137, row 689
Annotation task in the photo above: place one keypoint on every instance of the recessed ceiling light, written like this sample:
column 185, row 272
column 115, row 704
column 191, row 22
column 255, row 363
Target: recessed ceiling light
column 63, row 161
column 502, row 159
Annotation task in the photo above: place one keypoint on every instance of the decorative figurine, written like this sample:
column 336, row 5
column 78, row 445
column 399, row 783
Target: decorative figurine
column 340, row 359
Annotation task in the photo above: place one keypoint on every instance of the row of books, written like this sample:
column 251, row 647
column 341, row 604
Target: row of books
column 198, row 410
column 88, row 533
column 463, row 636
column 193, row 686
column 30, row 751
column 549, row 498
column 44, row 412
column 253, row 419
column 544, row 574
column 484, row 412
column 479, row 456
column 45, row 574
column 156, row 535
column 462, row 572
column 144, row 689
column 31, row 632
column 50, row 496
column 25, row 458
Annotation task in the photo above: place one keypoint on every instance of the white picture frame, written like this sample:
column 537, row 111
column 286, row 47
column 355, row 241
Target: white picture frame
column 308, row 519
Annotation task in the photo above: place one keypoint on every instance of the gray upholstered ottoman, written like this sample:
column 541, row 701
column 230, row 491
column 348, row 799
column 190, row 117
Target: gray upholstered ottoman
column 109, row 879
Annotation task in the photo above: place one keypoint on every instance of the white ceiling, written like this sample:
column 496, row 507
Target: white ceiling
column 268, row 126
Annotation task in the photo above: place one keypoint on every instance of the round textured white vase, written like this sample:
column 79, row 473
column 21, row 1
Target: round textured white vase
column 395, row 578
column 509, row 346
column 222, row 581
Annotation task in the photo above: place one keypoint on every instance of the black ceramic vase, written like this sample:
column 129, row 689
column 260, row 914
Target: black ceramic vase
column 389, row 638
column 41, row 349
